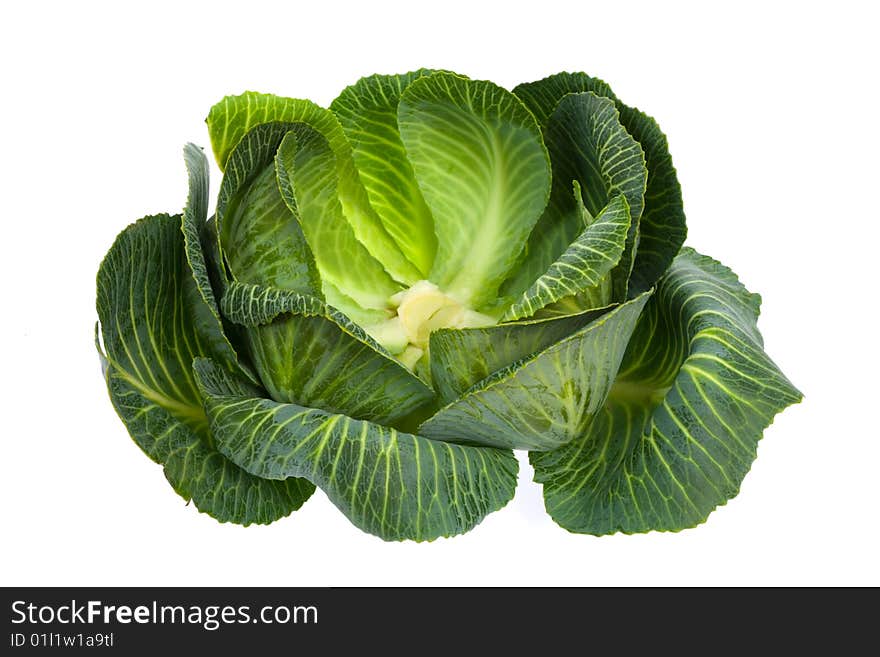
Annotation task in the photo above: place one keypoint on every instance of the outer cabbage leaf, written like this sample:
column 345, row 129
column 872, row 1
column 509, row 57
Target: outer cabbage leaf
column 589, row 146
column 681, row 425
column 392, row 484
column 154, row 322
column 260, row 236
column 197, row 239
column 542, row 96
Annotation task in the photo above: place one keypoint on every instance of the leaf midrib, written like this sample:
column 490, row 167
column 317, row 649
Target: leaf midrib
column 192, row 415
column 472, row 276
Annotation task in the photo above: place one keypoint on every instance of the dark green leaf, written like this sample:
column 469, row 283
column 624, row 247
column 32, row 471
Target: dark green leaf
column 259, row 235
column 681, row 425
column 662, row 226
column 543, row 96
column 547, row 400
column 194, row 225
column 151, row 332
column 462, row 357
column 588, row 145
column 307, row 353
column 394, row 485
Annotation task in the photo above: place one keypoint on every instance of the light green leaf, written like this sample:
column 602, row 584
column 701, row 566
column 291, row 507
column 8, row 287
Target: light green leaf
column 234, row 116
column 367, row 111
column 152, row 332
column 482, row 167
column 583, row 266
column 345, row 304
column 307, row 169
column 662, row 226
column 395, row 485
column 546, row 400
column 462, row 357
column 307, row 353
column 259, row 235
column 680, row 428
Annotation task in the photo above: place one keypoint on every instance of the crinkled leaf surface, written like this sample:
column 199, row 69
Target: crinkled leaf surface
column 234, row 116
column 481, row 165
column 583, row 266
column 309, row 354
column 610, row 287
column 391, row 484
column 662, row 228
column 547, row 400
column 152, row 331
column 194, row 226
column 543, row 96
column 588, row 145
column 260, row 236
column 680, row 428
column 367, row 112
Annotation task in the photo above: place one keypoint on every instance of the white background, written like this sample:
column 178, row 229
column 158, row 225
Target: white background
column 771, row 112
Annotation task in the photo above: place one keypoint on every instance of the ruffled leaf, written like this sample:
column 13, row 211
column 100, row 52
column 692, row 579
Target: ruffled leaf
column 584, row 265
column 388, row 483
column 662, row 227
column 681, row 425
column 152, row 329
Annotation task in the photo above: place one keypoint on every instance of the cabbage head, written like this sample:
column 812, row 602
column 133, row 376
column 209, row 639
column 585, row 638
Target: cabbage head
column 398, row 291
